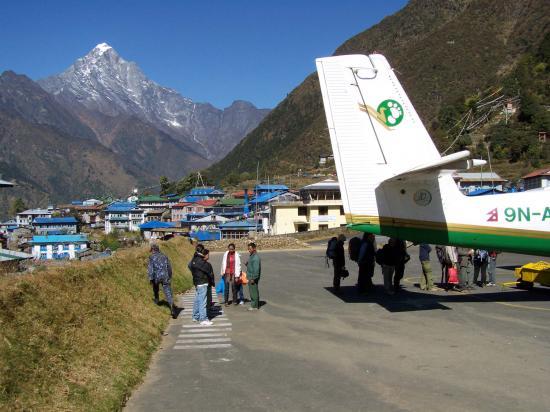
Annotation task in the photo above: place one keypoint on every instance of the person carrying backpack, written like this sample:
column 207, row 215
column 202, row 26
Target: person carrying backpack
column 491, row 268
column 203, row 276
column 481, row 261
column 331, row 250
column 159, row 271
column 388, row 257
column 426, row 280
column 366, row 262
column 338, row 261
column 402, row 258
column 354, row 247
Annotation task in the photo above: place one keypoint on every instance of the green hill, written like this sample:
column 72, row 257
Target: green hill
column 442, row 51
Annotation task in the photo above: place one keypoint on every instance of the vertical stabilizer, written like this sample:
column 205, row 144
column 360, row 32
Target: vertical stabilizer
column 375, row 131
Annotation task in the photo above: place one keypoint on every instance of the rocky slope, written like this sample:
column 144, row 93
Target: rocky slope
column 50, row 166
column 103, row 82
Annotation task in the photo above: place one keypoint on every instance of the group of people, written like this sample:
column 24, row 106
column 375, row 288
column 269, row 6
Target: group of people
column 393, row 257
column 469, row 263
column 160, row 273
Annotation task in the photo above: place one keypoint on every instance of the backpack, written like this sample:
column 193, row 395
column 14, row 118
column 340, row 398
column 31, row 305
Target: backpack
column 331, row 248
column 482, row 256
column 354, row 247
column 379, row 257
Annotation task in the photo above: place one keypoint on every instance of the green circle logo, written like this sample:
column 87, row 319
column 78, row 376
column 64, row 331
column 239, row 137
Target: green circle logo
column 390, row 112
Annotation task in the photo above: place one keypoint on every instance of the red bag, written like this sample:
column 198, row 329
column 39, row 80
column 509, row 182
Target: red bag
column 452, row 276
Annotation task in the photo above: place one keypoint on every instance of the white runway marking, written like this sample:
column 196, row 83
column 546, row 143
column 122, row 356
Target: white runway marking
column 195, row 336
column 208, row 346
column 205, row 340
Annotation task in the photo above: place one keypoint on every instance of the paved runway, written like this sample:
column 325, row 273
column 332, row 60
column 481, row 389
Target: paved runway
column 309, row 349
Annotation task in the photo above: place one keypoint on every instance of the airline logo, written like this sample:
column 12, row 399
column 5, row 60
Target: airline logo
column 389, row 113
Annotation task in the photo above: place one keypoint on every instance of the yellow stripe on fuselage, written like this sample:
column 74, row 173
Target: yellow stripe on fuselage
column 444, row 226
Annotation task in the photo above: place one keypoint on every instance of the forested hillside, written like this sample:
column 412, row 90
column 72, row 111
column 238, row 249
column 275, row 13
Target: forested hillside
column 449, row 55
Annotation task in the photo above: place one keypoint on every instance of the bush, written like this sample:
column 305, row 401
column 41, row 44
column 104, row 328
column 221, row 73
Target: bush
column 110, row 241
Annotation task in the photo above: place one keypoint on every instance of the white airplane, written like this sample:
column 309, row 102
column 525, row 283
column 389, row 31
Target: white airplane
column 393, row 180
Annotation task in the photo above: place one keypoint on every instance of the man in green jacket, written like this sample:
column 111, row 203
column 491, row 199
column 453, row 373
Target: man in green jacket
column 253, row 273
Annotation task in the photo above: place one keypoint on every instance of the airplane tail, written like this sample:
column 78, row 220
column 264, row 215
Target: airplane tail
column 375, row 132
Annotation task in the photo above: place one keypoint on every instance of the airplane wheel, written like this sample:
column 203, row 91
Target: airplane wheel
column 525, row 285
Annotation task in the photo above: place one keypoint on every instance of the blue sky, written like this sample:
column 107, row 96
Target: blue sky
column 210, row 51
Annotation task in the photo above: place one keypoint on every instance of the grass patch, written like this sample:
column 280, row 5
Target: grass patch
column 81, row 337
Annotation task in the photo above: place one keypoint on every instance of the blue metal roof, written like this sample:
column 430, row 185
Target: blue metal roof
column 193, row 199
column 206, row 235
column 270, row 188
column 202, row 191
column 483, row 192
column 265, row 197
column 60, row 239
column 121, row 207
column 155, row 224
column 55, row 220
column 239, row 224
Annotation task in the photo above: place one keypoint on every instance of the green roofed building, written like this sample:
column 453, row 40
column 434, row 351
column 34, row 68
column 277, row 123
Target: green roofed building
column 229, row 202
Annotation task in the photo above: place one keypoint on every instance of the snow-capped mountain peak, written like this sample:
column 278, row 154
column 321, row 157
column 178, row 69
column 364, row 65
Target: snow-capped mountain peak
column 102, row 48
column 103, row 81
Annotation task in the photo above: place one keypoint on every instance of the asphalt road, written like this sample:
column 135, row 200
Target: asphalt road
column 309, row 349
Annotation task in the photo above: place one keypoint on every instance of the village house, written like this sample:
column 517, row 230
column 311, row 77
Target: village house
column 537, row 179
column 324, row 159
column 319, row 207
column 92, row 202
column 125, row 216
column 468, row 182
column 148, row 229
column 58, row 246
column 179, row 211
column 27, row 217
column 260, row 190
column 90, row 215
column 59, row 225
column 203, row 193
column 151, row 203
column 239, row 228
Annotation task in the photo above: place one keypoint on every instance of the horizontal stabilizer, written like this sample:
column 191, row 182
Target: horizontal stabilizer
column 455, row 161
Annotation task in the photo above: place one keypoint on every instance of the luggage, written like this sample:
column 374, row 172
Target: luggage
column 452, row 276
column 354, row 246
column 220, row 287
column 331, row 248
column 380, row 256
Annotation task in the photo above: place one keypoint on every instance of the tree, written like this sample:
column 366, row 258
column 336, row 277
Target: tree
column 245, row 176
column 165, row 185
column 17, row 206
column 185, row 184
column 232, row 179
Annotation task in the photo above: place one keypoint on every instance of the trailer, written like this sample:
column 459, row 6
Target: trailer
column 532, row 273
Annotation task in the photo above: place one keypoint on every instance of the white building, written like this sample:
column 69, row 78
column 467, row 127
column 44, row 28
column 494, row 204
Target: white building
column 92, row 202
column 58, row 246
column 27, row 217
column 46, row 225
column 320, row 208
column 123, row 216
column 537, row 179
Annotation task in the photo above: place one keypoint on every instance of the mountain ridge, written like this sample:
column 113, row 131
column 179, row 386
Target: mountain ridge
column 102, row 81
column 441, row 51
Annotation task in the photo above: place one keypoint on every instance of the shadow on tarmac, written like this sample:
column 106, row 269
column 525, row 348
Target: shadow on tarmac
column 408, row 301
